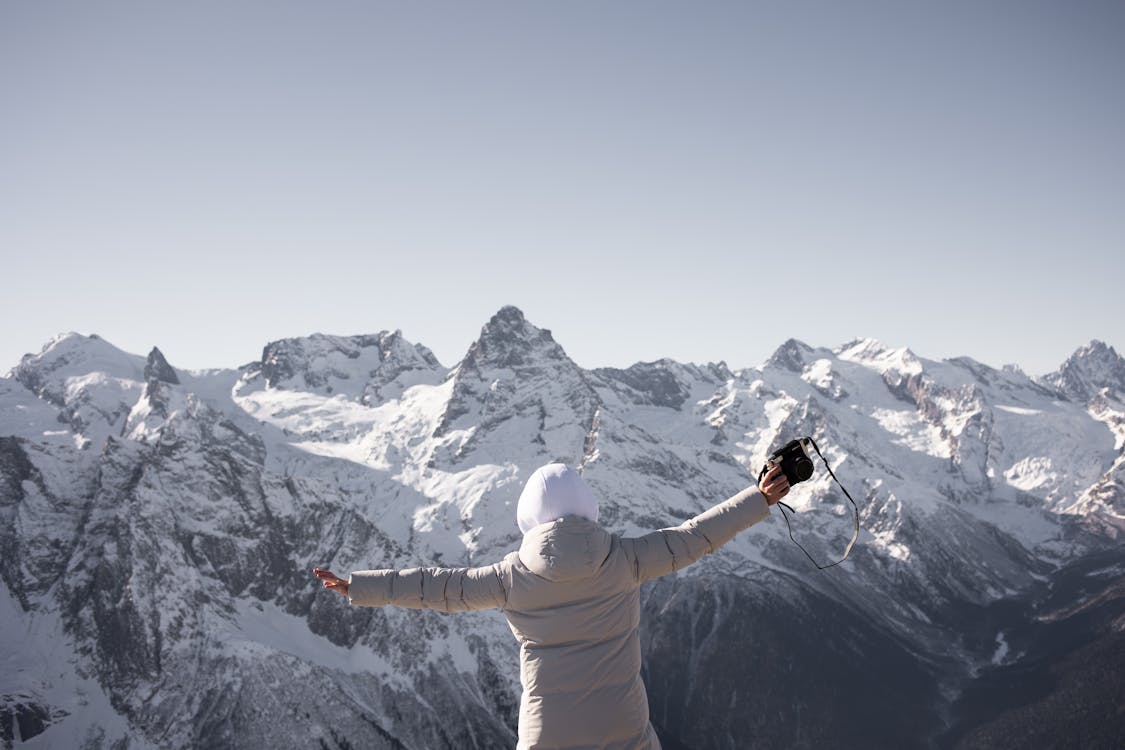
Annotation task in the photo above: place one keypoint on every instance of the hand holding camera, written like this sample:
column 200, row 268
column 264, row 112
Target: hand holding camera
column 774, row 485
column 790, row 465
column 793, row 460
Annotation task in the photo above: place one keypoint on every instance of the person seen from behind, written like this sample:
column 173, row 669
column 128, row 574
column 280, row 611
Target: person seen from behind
column 571, row 595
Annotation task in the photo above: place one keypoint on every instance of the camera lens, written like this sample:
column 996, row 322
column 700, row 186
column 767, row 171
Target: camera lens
column 803, row 468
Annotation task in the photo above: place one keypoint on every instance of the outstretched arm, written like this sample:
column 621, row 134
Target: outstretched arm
column 444, row 589
column 667, row 550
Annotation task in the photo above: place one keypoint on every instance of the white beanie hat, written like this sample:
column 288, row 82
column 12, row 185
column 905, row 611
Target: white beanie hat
column 554, row 491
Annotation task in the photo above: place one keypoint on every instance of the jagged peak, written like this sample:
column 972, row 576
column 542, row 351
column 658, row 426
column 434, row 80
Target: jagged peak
column 1095, row 351
column 1088, row 370
column 509, row 322
column 509, row 340
column 157, row 368
column 509, row 369
column 791, row 355
column 509, row 313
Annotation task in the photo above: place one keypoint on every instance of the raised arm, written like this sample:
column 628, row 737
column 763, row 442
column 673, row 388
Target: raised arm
column 444, row 589
column 668, row 550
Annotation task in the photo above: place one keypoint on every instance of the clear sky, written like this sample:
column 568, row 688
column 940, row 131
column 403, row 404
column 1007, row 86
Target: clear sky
column 696, row 180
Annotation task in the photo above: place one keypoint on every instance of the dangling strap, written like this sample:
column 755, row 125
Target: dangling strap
column 855, row 535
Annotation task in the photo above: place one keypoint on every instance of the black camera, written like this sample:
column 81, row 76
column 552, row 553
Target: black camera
column 794, row 460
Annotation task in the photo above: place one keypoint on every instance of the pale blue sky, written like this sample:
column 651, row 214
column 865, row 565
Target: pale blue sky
column 696, row 180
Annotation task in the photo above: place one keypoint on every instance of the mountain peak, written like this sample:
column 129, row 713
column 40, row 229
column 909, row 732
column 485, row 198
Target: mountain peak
column 1097, row 351
column 509, row 340
column 356, row 367
column 863, row 347
column 875, row 354
column 513, row 368
column 1090, row 369
column 157, row 367
column 509, row 322
column 509, row 313
column 72, row 354
column 790, row 356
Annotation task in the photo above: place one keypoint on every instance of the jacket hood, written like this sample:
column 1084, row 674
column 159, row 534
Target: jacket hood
column 567, row 549
column 554, row 491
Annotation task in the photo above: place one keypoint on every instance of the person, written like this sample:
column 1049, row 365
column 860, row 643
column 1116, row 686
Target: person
column 571, row 595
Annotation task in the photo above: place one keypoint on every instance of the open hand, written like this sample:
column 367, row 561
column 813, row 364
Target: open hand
column 774, row 485
column 331, row 581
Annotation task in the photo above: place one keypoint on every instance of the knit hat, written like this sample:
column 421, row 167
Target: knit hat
column 554, row 491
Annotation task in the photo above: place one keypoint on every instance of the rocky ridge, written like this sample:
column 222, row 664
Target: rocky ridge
column 159, row 525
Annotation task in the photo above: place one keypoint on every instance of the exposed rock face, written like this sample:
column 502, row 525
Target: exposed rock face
column 157, row 368
column 661, row 383
column 1092, row 369
column 159, row 528
column 357, row 367
column 516, row 383
column 792, row 356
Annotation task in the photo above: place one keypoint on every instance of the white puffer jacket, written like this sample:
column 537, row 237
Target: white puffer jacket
column 572, row 598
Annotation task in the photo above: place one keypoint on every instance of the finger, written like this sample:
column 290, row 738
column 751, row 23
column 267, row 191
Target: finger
column 777, row 481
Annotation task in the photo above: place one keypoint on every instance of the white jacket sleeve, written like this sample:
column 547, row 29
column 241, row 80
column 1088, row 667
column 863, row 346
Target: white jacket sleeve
column 668, row 550
column 444, row 589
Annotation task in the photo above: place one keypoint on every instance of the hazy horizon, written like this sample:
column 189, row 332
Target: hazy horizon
column 451, row 361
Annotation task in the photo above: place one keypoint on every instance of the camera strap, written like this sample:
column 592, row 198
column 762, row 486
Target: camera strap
column 855, row 534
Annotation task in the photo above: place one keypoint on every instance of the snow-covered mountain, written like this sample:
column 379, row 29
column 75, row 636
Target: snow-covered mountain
column 159, row 527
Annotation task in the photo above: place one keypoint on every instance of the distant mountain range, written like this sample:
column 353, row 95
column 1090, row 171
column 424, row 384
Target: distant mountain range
column 159, row 525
